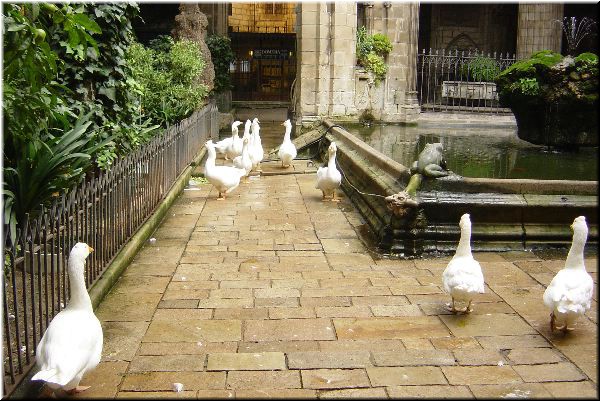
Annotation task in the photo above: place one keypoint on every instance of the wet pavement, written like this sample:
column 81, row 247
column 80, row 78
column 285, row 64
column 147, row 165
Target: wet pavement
column 272, row 293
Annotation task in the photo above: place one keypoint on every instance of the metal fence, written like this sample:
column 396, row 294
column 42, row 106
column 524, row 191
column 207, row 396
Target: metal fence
column 104, row 211
column 452, row 80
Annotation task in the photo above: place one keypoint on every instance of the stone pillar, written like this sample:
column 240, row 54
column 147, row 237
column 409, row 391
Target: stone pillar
column 400, row 22
column 537, row 28
column 326, row 45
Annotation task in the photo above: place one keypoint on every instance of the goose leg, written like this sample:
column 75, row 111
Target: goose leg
column 334, row 198
column 451, row 307
column 323, row 200
column 552, row 321
column 77, row 389
column 468, row 309
column 47, row 392
column 221, row 196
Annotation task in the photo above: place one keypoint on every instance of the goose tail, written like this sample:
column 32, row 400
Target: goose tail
column 49, row 375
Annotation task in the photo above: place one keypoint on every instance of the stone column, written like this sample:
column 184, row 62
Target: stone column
column 537, row 28
column 400, row 22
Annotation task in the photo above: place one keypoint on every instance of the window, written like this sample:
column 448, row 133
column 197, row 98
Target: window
column 273, row 8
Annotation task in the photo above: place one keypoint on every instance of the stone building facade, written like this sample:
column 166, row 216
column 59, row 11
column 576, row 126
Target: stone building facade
column 328, row 81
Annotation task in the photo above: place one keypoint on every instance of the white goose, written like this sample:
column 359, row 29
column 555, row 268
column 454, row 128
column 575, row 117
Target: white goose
column 72, row 343
column 243, row 160
column 569, row 294
column 463, row 278
column 234, row 148
column 329, row 178
column 287, row 151
column 224, row 178
column 256, row 149
column 223, row 144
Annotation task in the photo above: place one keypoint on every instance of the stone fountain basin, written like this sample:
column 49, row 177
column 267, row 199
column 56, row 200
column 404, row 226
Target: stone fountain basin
column 507, row 214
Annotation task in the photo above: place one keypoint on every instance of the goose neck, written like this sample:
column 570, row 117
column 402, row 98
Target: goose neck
column 80, row 298
column 464, row 244
column 575, row 256
column 210, row 159
column 331, row 162
column 288, row 131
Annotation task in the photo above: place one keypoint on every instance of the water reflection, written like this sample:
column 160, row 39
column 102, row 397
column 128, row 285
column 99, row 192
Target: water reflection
column 481, row 152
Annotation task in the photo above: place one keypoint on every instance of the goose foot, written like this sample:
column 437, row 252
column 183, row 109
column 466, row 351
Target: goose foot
column 468, row 309
column 77, row 389
column 334, row 198
column 451, row 307
column 46, row 392
column 221, row 197
column 552, row 321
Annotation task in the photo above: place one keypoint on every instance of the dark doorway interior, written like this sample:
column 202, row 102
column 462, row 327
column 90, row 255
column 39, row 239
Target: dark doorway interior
column 265, row 66
column 156, row 19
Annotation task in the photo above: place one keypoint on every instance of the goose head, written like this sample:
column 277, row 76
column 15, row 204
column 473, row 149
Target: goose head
column 332, row 149
column 465, row 221
column 78, row 254
column 234, row 126
column 580, row 229
column 209, row 144
column 287, row 124
column 247, row 127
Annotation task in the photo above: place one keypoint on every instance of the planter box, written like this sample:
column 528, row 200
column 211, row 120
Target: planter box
column 469, row 90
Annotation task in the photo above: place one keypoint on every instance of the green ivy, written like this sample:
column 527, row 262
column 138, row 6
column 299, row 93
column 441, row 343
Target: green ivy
column 371, row 51
column 222, row 55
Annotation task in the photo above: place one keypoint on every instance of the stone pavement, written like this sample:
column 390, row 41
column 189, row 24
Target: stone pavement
column 271, row 293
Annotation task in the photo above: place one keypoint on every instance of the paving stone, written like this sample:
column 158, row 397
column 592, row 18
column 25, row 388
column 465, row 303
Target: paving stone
column 246, row 361
column 167, row 363
column 121, row 339
column 278, row 346
column 478, row 357
column 163, row 381
column 295, row 283
column 586, row 389
column 482, row 325
column 417, row 343
column 396, row 310
column 342, row 245
column 585, row 356
column 141, row 284
column 325, row 301
column 291, row 302
column 322, row 274
column 400, row 376
column 361, row 393
column 182, row 314
column 276, row 293
column 189, row 293
column 280, row 393
column 511, row 341
column 412, row 357
column 178, row 304
column 328, row 360
column 400, row 327
column 360, row 345
column 516, row 390
column 334, row 378
column 227, row 303
column 344, row 282
column 292, row 313
column 461, row 375
column 380, row 300
column 240, row 313
column 214, row 394
column 263, row 379
column 343, row 311
column 231, row 293
column 194, row 330
column 150, row 269
column 104, row 380
column 290, row 330
column 186, row 348
column 554, row 372
column 452, row 343
column 193, row 394
column 533, row 356
column 125, row 308
column 433, row 392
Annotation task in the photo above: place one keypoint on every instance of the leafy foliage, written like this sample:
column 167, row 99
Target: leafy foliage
column 482, row 69
column 222, row 56
column 169, row 82
column 371, row 51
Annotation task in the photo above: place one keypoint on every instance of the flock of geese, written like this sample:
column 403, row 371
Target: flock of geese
column 72, row 343
column 246, row 154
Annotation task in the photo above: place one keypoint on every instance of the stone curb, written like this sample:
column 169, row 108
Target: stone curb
column 110, row 276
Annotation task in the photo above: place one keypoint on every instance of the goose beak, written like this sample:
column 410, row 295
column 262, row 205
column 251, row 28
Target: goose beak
column 90, row 249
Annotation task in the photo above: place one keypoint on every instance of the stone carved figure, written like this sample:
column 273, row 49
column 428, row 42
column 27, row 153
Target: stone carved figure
column 191, row 24
column 431, row 161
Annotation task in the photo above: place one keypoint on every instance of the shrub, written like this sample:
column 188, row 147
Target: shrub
column 481, row 69
column 222, row 56
column 371, row 51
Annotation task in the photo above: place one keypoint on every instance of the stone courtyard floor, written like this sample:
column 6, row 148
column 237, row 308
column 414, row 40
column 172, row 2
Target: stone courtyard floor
column 271, row 293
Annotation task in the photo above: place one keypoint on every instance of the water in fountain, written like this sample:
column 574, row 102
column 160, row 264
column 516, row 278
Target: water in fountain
column 575, row 31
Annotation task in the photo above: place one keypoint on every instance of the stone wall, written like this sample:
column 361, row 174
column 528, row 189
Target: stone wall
column 262, row 17
column 537, row 29
column 332, row 85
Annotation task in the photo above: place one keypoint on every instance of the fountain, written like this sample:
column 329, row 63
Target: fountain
column 411, row 212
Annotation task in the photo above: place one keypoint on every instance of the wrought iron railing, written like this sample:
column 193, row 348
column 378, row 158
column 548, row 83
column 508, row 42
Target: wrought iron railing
column 448, row 81
column 104, row 211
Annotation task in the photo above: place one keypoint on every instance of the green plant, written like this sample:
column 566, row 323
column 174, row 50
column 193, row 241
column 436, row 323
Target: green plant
column 481, row 69
column 526, row 86
column 371, row 51
column 169, row 83
column 47, row 167
column 222, row 55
